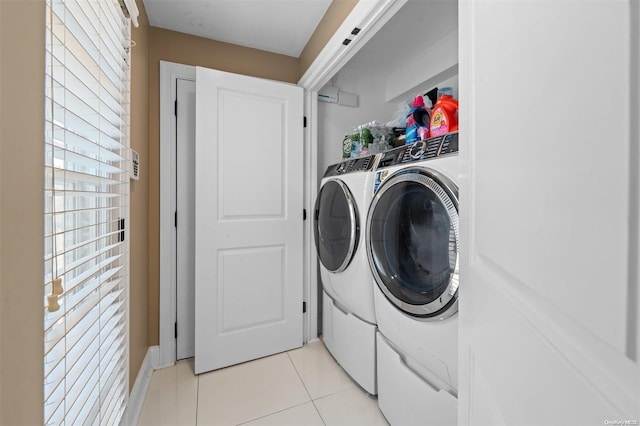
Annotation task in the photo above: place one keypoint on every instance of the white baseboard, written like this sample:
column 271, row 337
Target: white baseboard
column 154, row 355
column 140, row 387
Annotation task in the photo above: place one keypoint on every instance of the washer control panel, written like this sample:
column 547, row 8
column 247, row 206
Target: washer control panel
column 362, row 164
column 420, row 150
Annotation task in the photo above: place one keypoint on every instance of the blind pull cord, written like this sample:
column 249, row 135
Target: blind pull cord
column 53, row 303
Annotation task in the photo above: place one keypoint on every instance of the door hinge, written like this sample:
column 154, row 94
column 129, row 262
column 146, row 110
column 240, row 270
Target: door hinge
column 175, row 108
column 304, row 307
column 304, row 214
column 304, row 122
column 175, row 324
column 175, row 219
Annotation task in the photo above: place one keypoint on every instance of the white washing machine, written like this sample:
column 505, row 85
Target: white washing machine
column 348, row 318
column 412, row 246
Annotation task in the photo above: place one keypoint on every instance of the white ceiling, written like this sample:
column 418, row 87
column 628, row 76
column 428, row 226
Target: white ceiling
column 416, row 26
column 279, row 26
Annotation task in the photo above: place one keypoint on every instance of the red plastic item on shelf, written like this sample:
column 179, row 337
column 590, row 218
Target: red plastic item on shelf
column 444, row 117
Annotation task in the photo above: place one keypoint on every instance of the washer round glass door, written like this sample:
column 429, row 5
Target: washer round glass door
column 336, row 225
column 412, row 242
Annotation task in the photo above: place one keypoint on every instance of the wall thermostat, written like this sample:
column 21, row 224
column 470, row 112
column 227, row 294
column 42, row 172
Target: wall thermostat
column 135, row 165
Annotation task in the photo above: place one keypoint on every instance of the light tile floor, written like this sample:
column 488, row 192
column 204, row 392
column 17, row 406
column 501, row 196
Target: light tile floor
column 302, row 387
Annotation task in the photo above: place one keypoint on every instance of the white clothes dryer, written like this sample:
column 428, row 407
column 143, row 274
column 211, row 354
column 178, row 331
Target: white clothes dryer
column 412, row 241
column 348, row 318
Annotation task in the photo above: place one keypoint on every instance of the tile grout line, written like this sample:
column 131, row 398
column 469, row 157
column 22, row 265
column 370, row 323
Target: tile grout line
column 333, row 392
column 293, row 364
column 305, row 387
column 197, row 398
column 318, row 411
column 271, row 414
column 300, row 376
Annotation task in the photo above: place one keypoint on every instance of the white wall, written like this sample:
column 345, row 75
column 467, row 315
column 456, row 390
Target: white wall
column 369, row 78
column 334, row 121
column 549, row 225
column 425, row 69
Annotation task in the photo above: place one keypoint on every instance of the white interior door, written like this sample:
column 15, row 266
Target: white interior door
column 549, row 212
column 249, row 201
column 185, row 217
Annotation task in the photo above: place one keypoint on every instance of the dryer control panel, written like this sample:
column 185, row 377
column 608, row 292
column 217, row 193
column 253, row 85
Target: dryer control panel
column 362, row 164
column 420, row 150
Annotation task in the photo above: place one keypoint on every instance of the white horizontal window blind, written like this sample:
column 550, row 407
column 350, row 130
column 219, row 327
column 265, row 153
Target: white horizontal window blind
column 86, row 212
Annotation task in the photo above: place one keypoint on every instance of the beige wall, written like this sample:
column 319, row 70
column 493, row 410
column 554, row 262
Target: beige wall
column 21, row 205
column 22, row 52
column 186, row 49
column 331, row 21
column 139, row 283
column 1, row 384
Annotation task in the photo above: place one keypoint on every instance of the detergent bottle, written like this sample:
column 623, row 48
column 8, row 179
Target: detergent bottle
column 417, row 127
column 444, row 118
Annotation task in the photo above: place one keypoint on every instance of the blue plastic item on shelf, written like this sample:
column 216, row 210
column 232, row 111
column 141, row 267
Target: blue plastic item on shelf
column 417, row 122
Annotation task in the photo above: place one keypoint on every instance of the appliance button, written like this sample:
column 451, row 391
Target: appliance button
column 418, row 149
